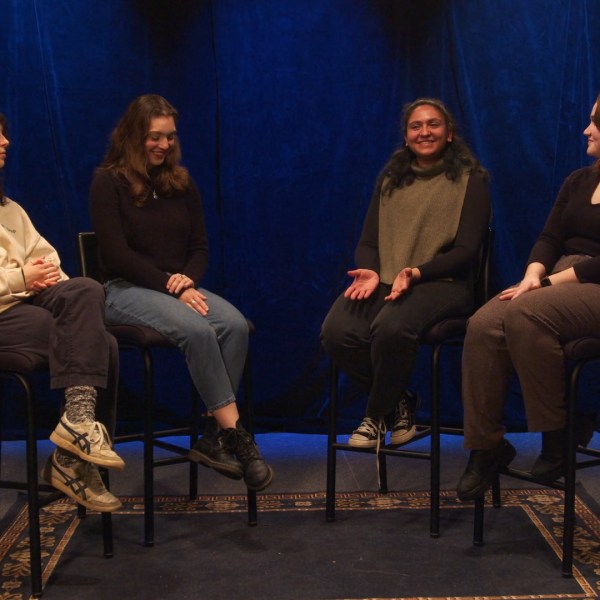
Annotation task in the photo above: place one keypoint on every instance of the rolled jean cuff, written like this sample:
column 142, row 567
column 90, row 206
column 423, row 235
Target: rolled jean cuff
column 223, row 404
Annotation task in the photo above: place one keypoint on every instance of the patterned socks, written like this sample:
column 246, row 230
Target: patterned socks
column 80, row 407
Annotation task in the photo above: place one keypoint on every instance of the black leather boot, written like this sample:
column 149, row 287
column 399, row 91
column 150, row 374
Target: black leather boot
column 481, row 468
column 550, row 464
column 258, row 475
column 211, row 451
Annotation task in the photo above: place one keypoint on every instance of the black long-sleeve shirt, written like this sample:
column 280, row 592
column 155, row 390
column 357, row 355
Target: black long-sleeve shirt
column 144, row 244
column 458, row 259
column 573, row 227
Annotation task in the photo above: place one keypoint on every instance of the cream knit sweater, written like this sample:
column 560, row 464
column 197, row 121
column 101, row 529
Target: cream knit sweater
column 19, row 242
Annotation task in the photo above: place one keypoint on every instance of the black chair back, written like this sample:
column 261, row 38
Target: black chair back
column 483, row 284
column 87, row 245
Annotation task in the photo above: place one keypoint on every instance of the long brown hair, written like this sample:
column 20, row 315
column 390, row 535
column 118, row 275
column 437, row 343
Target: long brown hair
column 456, row 155
column 4, row 125
column 127, row 151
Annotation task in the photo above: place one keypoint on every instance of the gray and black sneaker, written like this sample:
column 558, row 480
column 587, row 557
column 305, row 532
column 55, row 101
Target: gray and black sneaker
column 211, row 451
column 405, row 426
column 370, row 434
column 81, row 482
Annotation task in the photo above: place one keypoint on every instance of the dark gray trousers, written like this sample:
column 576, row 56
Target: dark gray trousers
column 64, row 326
column 377, row 342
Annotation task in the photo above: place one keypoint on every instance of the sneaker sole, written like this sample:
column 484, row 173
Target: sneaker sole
column 59, row 485
column 265, row 484
column 505, row 459
column 396, row 439
column 220, row 468
column 73, row 449
column 364, row 443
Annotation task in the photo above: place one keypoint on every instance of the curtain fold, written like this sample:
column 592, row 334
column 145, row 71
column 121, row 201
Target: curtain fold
column 288, row 111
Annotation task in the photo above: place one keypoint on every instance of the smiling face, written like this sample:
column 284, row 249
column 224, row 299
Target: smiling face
column 427, row 134
column 593, row 135
column 160, row 139
column 3, row 146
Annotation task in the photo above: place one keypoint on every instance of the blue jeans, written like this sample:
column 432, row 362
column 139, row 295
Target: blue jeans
column 214, row 346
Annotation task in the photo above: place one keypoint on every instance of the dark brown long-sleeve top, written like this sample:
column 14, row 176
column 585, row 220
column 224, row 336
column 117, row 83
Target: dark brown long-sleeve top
column 456, row 261
column 144, row 244
column 573, row 227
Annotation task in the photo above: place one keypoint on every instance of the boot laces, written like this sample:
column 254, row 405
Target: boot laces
column 241, row 443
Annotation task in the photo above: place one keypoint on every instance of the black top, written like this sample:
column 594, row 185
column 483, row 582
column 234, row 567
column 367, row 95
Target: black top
column 456, row 261
column 144, row 244
column 573, row 227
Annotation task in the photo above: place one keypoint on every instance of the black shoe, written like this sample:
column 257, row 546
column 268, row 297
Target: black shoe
column 548, row 470
column 550, row 464
column 481, row 468
column 211, row 451
column 258, row 475
column 405, row 426
column 585, row 427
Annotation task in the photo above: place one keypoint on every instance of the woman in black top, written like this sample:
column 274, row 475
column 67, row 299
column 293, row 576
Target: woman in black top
column 525, row 327
column 148, row 218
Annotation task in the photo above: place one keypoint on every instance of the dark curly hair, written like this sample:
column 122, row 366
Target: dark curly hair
column 4, row 125
column 456, row 155
column 127, row 153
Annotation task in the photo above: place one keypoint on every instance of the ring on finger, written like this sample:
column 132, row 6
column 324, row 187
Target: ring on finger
column 193, row 302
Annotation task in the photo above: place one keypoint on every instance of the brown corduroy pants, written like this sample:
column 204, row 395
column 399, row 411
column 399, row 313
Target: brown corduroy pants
column 526, row 333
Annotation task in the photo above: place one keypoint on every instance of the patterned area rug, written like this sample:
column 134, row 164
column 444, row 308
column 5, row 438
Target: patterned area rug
column 543, row 519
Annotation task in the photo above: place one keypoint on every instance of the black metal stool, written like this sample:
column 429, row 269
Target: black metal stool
column 144, row 340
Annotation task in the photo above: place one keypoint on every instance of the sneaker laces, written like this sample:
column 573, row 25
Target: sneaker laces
column 98, row 434
column 374, row 427
column 402, row 414
column 370, row 427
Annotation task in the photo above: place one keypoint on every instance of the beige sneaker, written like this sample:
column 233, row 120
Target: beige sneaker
column 82, row 482
column 87, row 440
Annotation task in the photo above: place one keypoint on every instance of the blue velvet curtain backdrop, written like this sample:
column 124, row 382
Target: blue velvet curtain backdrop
column 288, row 110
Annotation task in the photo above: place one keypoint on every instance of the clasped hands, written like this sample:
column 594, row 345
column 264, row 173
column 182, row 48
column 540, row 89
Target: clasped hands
column 183, row 285
column 40, row 274
column 366, row 282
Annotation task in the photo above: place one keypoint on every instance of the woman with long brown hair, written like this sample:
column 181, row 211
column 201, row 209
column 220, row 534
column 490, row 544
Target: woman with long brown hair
column 148, row 218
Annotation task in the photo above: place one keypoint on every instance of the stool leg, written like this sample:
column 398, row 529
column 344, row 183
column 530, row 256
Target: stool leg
column 331, row 440
column 434, row 517
column 107, row 532
column 478, row 529
column 33, row 492
column 496, row 497
column 382, row 468
column 249, row 424
column 570, row 475
column 194, row 427
column 148, row 451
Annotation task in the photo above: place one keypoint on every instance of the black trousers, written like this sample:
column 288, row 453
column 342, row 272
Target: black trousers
column 64, row 326
column 377, row 342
